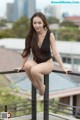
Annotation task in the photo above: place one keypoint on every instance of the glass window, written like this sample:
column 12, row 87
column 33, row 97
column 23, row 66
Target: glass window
column 76, row 61
column 64, row 59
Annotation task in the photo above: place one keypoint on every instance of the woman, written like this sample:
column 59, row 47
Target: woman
column 39, row 41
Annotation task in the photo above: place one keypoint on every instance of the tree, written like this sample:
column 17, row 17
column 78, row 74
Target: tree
column 21, row 27
column 70, row 34
column 6, row 97
column 52, row 20
column 6, row 34
column 3, row 23
column 68, row 24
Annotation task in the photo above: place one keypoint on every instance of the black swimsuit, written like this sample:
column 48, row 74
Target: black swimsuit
column 44, row 49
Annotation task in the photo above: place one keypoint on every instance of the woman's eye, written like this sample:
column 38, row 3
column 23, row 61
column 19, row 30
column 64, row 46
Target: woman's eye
column 39, row 22
column 34, row 23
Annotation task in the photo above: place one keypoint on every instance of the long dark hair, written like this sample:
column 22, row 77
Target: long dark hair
column 32, row 37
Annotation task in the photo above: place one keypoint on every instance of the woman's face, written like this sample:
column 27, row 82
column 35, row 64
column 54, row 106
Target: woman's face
column 38, row 24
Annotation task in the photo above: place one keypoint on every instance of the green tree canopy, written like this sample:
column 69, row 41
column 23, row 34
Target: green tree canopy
column 3, row 22
column 21, row 27
column 52, row 20
column 69, row 34
column 68, row 24
column 6, row 34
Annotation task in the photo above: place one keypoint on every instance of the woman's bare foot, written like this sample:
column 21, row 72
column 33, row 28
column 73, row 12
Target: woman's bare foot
column 35, row 85
column 42, row 90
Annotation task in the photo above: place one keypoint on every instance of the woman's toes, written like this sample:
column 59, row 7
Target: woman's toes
column 42, row 91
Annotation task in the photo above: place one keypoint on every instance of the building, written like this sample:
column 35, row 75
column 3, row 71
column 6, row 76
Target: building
column 66, row 87
column 70, row 53
column 10, row 12
column 31, row 7
column 24, row 8
column 52, row 11
column 16, row 10
column 74, row 19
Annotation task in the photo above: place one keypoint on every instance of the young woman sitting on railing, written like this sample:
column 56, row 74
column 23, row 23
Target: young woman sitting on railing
column 39, row 41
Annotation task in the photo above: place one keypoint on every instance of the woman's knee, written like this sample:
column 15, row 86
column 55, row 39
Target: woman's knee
column 27, row 66
column 33, row 71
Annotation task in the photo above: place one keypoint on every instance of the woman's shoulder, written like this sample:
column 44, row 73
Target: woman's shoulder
column 51, row 35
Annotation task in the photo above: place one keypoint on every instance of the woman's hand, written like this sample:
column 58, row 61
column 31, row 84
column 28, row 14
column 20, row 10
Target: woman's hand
column 18, row 69
column 66, row 70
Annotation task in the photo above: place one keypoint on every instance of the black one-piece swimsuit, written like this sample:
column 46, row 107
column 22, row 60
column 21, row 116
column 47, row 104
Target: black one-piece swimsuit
column 44, row 49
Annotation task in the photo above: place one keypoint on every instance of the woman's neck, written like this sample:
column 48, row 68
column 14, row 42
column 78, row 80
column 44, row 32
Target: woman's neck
column 42, row 32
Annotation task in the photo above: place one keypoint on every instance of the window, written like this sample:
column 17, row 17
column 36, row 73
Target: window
column 66, row 60
column 76, row 61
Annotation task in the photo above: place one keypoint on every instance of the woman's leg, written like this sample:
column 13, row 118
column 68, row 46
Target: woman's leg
column 40, row 69
column 28, row 65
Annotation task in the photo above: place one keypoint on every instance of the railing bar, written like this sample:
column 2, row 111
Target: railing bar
column 15, row 103
column 19, row 115
column 59, row 116
column 77, row 116
column 62, row 108
column 67, row 105
column 18, row 106
column 12, row 71
column 57, row 71
column 62, row 111
column 69, row 72
column 18, row 110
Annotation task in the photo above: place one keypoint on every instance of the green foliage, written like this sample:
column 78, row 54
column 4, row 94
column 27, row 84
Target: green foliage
column 14, row 102
column 68, row 24
column 3, row 81
column 21, row 27
column 6, row 34
column 7, row 97
column 10, row 96
column 68, row 33
column 39, row 106
column 3, row 22
column 52, row 20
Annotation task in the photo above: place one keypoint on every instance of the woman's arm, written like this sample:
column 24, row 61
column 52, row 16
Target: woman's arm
column 55, row 51
column 23, row 63
column 21, row 67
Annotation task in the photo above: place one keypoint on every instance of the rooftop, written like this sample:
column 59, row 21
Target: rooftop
column 63, row 46
column 58, row 82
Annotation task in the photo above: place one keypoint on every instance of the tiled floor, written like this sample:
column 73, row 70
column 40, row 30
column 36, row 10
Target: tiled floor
column 40, row 117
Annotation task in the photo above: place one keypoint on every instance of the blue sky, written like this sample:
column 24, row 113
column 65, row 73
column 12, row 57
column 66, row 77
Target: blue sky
column 40, row 4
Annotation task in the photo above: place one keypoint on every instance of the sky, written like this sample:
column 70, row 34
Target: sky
column 72, row 9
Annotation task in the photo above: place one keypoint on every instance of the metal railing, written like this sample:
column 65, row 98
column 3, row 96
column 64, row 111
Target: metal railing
column 47, row 104
column 65, row 109
column 17, row 109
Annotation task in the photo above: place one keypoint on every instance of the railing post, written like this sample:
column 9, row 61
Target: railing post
column 5, row 108
column 46, row 97
column 33, row 103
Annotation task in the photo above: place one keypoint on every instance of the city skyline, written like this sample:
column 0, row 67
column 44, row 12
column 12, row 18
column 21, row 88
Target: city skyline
column 20, row 8
column 72, row 9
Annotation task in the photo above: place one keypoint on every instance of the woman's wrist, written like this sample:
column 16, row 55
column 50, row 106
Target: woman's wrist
column 63, row 68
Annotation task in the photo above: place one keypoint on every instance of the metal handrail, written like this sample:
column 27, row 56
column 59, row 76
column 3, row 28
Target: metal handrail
column 16, row 103
column 15, row 108
column 57, row 71
column 64, row 104
column 46, row 95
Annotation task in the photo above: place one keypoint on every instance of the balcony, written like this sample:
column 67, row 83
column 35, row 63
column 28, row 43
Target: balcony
column 52, row 110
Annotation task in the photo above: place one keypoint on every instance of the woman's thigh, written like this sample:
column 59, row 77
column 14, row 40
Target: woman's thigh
column 44, row 68
column 29, row 64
